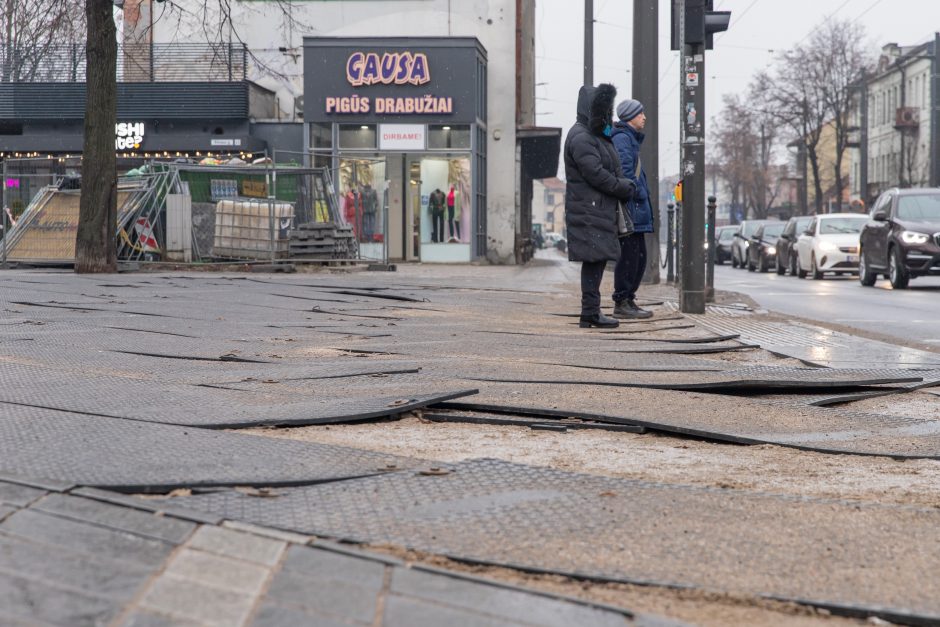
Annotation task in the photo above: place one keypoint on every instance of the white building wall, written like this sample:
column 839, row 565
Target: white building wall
column 884, row 140
column 277, row 42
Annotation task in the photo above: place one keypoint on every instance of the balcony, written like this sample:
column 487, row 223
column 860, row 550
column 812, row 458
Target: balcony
column 182, row 81
column 136, row 63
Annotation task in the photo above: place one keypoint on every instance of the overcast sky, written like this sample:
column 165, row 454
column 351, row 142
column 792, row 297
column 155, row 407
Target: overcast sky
column 759, row 29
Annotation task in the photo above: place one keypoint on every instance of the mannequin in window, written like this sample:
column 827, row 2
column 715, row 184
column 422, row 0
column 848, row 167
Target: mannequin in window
column 370, row 203
column 436, row 204
column 453, row 214
column 349, row 207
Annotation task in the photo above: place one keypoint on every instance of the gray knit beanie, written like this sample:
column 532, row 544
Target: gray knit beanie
column 629, row 109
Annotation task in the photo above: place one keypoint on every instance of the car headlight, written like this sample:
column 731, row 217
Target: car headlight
column 828, row 246
column 771, row 250
column 910, row 237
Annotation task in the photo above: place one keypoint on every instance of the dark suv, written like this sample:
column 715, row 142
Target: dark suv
column 902, row 240
column 763, row 249
column 724, row 239
column 786, row 244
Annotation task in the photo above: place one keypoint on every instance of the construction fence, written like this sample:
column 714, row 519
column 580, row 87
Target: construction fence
column 187, row 212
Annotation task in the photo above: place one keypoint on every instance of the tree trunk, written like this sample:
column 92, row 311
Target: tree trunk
column 95, row 245
column 817, row 178
column 839, row 183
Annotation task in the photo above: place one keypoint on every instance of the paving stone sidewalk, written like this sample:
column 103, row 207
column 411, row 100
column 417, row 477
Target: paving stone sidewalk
column 93, row 360
column 69, row 557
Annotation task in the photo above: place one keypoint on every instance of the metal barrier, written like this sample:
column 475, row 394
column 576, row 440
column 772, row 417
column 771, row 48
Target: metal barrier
column 136, row 63
column 183, row 212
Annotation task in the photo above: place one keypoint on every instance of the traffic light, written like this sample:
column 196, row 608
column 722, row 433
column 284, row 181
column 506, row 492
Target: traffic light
column 701, row 23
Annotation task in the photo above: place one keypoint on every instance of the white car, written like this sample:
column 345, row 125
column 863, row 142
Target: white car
column 830, row 244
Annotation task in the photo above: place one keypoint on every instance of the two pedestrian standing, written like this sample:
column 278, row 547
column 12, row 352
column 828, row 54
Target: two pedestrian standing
column 595, row 188
column 627, row 137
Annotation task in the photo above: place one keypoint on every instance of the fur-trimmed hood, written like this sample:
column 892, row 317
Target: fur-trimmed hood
column 596, row 107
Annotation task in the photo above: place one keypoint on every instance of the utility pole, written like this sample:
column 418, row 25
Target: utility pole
column 646, row 90
column 696, row 22
column 935, row 113
column 692, row 61
column 588, row 42
column 863, row 140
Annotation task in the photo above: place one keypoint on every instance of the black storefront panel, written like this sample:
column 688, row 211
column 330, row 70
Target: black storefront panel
column 61, row 101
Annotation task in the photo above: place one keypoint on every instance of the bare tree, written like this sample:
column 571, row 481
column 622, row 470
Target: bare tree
column 95, row 240
column 31, row 34
column 838, row 57
column 95, row 246
column 745, row 139
column 793, row 98
column 734, row 150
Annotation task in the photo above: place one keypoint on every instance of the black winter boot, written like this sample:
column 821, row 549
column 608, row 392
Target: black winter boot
column 598, row 320
column 625, row 311
column 638, row 308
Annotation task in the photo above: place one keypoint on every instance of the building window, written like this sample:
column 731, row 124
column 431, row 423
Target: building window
column 321, row 143
column 357, row 136
column 446, row 136
column 550, row 217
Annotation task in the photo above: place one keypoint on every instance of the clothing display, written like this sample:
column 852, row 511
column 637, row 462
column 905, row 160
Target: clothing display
column 370, row 205
column 436, row 203
column 352, row 210
column 453, row 213
column 361, row 211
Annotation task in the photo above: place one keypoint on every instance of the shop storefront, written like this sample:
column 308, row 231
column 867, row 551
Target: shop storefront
column 402, row 123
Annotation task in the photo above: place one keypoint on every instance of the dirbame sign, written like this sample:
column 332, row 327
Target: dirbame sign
column 401, row 136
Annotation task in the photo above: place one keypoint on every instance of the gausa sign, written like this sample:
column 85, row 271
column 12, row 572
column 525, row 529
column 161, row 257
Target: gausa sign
column 128, row 135
column 391, row 68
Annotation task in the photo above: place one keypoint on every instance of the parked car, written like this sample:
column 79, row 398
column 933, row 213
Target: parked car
column 763, row 248
column 724, row 239
column 830, row 244
column 742, row 241
column 555, row 240
column 786, row 244
column 902, row 240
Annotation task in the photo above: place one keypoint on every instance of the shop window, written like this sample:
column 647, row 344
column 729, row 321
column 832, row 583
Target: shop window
column 446, row 207
column 357, row 136
column 448, row 136
column 363, row 202
column 321, row 143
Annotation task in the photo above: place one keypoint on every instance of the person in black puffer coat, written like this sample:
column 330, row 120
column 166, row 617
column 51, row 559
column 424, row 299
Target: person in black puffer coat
column 595, row 187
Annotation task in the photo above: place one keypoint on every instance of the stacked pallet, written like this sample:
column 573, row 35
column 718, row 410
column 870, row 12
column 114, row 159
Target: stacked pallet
column 323, row 240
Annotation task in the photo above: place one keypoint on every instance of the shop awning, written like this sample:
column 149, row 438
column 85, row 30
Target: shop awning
column 541, row 146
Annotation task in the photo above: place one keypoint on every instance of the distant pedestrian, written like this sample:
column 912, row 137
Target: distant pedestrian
column 595, row 188
column 627, row 138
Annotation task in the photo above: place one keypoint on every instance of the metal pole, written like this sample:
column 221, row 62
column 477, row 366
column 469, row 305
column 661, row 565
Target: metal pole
column 712, row 252
column 385, row 225
column 670, row 241
column 692, row 277
column 3, row 208
column 269, row 178
column 863, row 141
column 3, row 263
column 935, row 114
column 646, row 90
column 588, row 42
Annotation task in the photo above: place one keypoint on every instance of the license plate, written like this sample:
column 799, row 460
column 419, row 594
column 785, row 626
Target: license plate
column 852, row 258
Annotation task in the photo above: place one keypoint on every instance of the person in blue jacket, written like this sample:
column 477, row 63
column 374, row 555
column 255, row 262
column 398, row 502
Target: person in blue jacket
column 627, row 138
